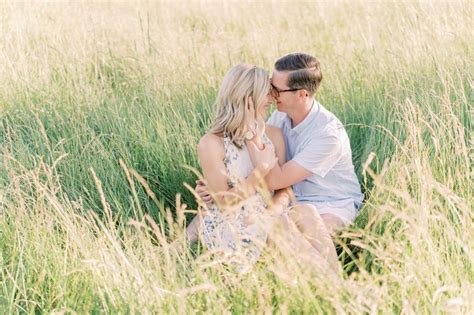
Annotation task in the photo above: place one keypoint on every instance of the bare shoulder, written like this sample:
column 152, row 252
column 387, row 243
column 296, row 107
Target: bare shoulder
column 274, row 133
column 210, row 144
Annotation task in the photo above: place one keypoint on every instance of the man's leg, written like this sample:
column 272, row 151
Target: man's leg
column 289, row 240
column 314, row 229
column 332, row 222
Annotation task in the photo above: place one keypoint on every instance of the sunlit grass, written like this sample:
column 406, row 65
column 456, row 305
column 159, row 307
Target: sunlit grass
column 101, row 108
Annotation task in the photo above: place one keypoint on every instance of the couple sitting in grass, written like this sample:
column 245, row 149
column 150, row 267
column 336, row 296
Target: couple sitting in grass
column 294, row 172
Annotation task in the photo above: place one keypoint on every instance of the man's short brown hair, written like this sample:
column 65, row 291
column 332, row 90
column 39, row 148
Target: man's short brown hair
column 305, row 71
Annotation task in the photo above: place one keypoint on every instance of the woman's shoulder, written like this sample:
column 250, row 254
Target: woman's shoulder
column 211, row 143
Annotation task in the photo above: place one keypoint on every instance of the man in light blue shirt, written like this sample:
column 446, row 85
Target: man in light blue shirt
column 320, row 145
column 319, row 163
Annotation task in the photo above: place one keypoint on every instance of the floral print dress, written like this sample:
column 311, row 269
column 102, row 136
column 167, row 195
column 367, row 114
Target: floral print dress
column 238, row 232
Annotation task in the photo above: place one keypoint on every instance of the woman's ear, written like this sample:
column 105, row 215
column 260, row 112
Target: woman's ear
column 250, row 103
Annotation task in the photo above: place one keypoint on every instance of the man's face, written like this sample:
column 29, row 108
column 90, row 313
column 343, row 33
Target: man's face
column 280, row 82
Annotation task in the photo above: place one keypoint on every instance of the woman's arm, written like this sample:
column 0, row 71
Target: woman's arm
column 276, row 136
column 211, row 157
column 282, row 197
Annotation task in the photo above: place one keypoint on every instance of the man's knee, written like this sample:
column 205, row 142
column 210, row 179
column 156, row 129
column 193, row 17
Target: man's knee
column 307, row 217
column 282, row 230
column 282, row 222
column 332, row 222
column 304, row 215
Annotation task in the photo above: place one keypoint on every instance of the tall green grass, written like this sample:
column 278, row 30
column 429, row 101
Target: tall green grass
column 101, row 108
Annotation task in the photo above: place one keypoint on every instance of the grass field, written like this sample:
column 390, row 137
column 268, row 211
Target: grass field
column 101, row 108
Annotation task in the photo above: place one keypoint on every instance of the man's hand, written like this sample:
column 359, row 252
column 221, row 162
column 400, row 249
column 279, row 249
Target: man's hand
column 202, row 191
column 275, row 210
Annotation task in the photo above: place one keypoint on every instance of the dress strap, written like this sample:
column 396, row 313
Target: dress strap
column 226, row 148
column 227, row 160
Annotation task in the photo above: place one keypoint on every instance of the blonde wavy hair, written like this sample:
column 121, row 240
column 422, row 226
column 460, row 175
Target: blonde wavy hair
column 240, row 82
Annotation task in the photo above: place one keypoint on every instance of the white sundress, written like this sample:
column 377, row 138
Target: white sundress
column 229, row 232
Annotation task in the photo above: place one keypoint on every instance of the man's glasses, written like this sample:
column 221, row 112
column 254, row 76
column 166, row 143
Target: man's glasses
column 275, row 92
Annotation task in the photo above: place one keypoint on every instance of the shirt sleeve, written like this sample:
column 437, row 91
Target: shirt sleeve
column 320, row 155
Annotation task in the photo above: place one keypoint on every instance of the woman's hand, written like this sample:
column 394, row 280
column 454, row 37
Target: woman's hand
column 203, row 192
column 252, row 126
column 264, row 160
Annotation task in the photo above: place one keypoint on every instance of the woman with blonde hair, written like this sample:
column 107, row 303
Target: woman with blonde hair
column 239, row 221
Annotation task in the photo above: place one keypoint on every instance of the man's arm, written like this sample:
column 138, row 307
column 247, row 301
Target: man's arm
column 318, row 157
column 282, row 197
column 286, row 175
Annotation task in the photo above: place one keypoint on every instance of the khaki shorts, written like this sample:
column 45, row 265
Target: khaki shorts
column 346, row 210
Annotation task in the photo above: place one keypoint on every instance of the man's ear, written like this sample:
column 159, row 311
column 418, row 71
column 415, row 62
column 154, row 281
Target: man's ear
column 303, row 93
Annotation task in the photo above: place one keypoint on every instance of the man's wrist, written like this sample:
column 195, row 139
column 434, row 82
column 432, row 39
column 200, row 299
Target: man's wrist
column 263, row 169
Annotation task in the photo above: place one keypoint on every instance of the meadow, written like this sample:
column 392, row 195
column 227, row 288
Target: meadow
column 102, row 106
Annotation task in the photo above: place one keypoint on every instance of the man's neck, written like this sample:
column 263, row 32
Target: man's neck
column 301, row 113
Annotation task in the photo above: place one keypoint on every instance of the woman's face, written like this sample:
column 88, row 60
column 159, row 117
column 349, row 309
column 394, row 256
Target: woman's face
column 262, row 108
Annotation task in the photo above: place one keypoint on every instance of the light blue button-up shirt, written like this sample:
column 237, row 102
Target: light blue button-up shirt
column 320, row 144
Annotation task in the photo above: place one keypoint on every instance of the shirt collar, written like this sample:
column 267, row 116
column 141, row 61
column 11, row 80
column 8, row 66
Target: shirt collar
column 314, row 111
